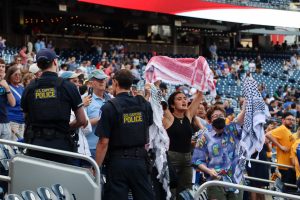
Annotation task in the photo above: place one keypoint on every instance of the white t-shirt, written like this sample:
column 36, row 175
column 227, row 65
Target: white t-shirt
column 83, row 144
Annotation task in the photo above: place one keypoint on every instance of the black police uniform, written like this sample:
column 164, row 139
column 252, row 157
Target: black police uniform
column 125, row 120
column 48, row 102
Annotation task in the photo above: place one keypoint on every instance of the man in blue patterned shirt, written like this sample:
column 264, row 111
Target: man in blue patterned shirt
column 216, row 151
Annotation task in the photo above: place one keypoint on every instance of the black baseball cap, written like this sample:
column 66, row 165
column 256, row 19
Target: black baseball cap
column 46, row 55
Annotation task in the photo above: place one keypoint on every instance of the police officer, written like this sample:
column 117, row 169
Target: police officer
column 123, row 134
column 47, row 104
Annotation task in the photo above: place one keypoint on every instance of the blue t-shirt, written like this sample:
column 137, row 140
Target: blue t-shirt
column 94, row 111
column 3, row 102
column 15, row 113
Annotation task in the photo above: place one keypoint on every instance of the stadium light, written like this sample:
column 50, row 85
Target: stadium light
column 62, row 7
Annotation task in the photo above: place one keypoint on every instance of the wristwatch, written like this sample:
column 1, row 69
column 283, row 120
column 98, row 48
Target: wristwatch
column 7, row 92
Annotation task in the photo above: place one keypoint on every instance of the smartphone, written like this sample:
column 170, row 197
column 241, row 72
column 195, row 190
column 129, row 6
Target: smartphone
column 90, row 91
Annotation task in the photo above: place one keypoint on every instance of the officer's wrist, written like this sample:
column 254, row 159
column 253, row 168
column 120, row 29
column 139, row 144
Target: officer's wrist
column 8, row 92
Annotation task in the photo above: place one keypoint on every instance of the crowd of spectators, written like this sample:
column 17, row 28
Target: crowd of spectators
column 283, row 105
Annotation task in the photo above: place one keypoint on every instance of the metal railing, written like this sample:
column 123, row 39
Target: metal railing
column 244, row 188
column 272, row 164
column 54, row 151
column 267, row 181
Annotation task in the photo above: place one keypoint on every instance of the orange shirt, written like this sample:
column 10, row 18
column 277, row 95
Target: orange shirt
column 285, row 138
column 294, row 156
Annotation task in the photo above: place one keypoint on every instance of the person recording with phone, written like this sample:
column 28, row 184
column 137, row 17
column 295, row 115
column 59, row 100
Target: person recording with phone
column 97, row 87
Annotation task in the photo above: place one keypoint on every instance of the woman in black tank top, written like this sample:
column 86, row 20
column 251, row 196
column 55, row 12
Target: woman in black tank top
column 178, row 123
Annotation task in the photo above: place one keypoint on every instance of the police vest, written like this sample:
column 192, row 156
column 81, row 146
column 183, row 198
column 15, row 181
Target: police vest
column 133, row 126
column 46, row 104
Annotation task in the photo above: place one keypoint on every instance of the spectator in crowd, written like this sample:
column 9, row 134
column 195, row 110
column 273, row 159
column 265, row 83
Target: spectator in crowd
column 164, row 90
column 50, row 45
column 258, row 64
column 293, row 109
column 83, row 146
column 5, row 97
column 273, row 108
column 15, row 114
column 283, row 139
column 97, row 81
column 298, row 62
column 213, row 51
column 228, row 109
column 42, row 43
column 177, row 122
column 294, row 61
column 63, row 68
column 27, row 78
column 23, row 55
column 2, row 45
column 214, row 153
column 29, row 47
column 72, row 63
column 252, row 66
column 135, row 72
column 35, row 70
column 37, row 45
column 278, row 93
column 295, row 157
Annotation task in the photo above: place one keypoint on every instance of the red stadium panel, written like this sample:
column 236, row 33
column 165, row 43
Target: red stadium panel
column 163, row 6
column 210, row 10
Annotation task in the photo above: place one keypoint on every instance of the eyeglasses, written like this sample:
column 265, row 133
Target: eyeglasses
column 19, row 60
column 290, row 119
column 218, row 116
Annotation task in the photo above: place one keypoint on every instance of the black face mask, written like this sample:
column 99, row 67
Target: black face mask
column 219, row 123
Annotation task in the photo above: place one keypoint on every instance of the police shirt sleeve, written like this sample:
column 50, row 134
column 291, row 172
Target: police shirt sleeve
column 150, row 113
column 106, row 122
column 73, row 93
column 24, row 101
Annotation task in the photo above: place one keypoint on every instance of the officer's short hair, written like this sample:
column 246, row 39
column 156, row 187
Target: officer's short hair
column 44, row 64
column 125, row 78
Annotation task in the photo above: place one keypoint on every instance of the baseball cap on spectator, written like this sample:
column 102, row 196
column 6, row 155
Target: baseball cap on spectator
column 98, row 74
column 46, row 55
column 68, row 75
column 34, row 68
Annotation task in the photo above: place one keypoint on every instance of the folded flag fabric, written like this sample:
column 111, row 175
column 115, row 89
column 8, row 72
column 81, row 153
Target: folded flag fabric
column 193, row 72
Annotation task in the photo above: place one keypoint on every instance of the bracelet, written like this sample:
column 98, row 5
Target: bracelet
column 8, row 92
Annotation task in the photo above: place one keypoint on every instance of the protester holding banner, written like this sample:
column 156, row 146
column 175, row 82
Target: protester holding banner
column 178, row 123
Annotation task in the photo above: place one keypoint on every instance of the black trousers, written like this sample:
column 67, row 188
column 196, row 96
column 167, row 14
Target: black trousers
column 288, row 176
column 124, row 174
column 159, row 192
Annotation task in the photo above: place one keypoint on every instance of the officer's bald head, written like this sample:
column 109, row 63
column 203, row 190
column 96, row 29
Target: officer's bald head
column 124, row 78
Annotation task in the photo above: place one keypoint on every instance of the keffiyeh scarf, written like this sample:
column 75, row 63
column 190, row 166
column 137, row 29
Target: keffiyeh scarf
column 193, row 72
column 253, row 135
column 159, row 140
